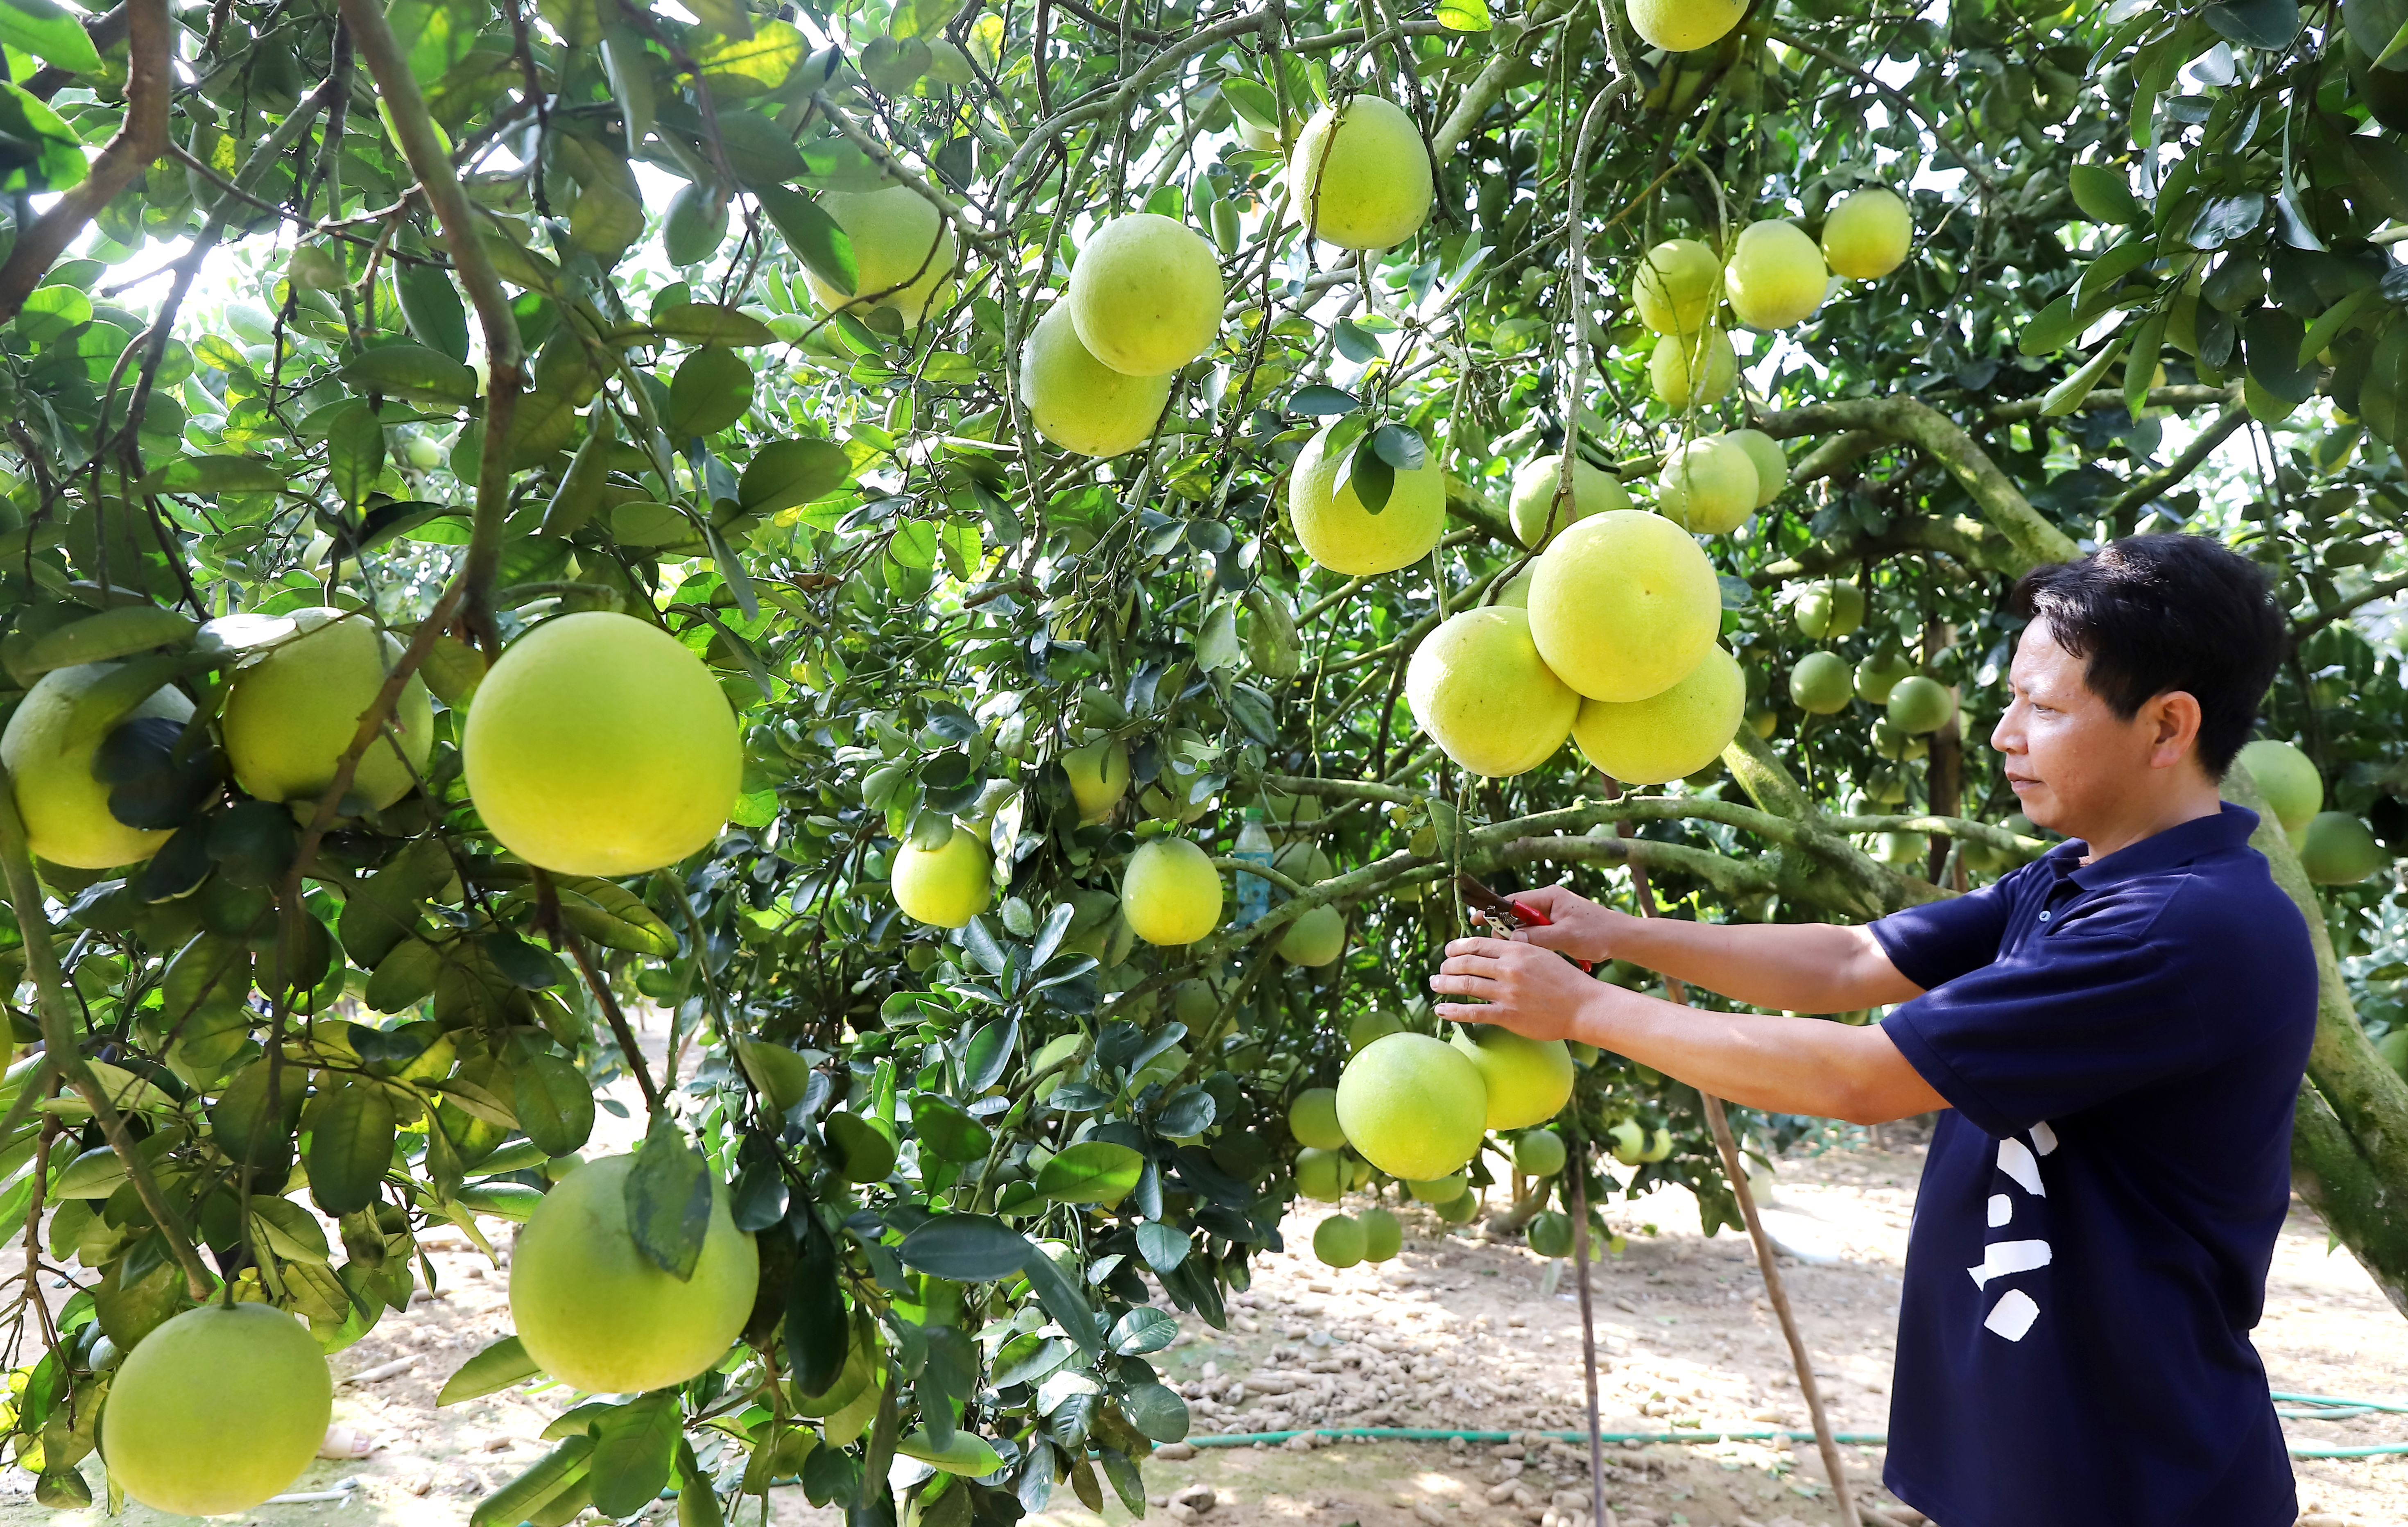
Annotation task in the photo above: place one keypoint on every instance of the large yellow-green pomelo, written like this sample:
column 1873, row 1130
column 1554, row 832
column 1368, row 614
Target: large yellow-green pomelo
column 1362, row 182
column 1170, row 893
column 1772, row 463
column 1413, row 1106
column 1076, row 400
column 1313, row 1119
column 65, row 809
column 1867, row 235
column 1315, row 938
column 216, row 1410
column 1145, row 294
column 1919, row 704
column 1527, row 1080
column 1624, row 605
column 2294, row 791
column 1879, row 674
column 598, row 1313
column 2337, row 850
column 1338, row 532
column 1830, row 610
column 1338, row 1240
column 1099, row 776
column 1693, row 369
column 1776, row 276
column 1480, row 690
column 1370, row 1025
column 600, row 745
column 902, row 247
column 1677, row 286
column 948, row 886
column 1667, row 736
column 1708, row 487
column 1516, row 591
column 1819, row 684
column 1535, row 512
column 1682, row 26
column 291, row 715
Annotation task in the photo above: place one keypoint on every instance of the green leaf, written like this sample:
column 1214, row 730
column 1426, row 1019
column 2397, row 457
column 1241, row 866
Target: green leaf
column 246, row 1129
column 431, row 306
column 817, row 239
column 413, row 372
column 352, row 1132
column 2141, row 362
column 2332, row 323
column 817, row 1337
column 215, row 474
column 1063, row 1302
column 1369, row 474
column 863, row 1153
column 1216, row 640
column 1091, row 1172
column 50, row 33
column 1163, row 1246
column 1146, row 1329
column 1156, row 1411
column 634, row 1447
column 100, row 639
column 289, row 1231
column 1318, row 401
column 547, row 1479
column 354, row 454
column 612, row 916
column 513, row 1201
column 496, row 1367
column 786, row 473
column 710, row 324
column 967, row 1247
column 554, row 1103
column 668, row 1200
column 2067, row 396
column 58, row 160
column 712, row 388
column 966, row 1453
column 1400, row 447
column 736, row 68
column 1463, row 15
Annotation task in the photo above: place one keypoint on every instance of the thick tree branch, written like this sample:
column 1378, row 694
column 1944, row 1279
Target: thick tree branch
column 1510, row 45
column 1969, row 541
column 2187, row 397
column 2193, row 455
column 2322, row 618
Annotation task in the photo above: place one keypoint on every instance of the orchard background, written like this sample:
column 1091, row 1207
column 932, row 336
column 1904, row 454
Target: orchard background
column 471, row 317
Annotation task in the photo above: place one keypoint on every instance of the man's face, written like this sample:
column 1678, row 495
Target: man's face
column 2069, row 759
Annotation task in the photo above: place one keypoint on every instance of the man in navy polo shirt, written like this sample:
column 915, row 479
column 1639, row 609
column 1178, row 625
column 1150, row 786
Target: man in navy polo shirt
column 2117, row 1031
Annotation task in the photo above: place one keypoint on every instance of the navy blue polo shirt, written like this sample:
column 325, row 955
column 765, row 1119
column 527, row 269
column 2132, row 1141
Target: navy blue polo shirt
column 2121, row 1044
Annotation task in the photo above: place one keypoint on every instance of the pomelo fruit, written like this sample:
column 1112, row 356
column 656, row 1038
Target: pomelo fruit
column 1877, row 675
column 1145, row 294
column 598, row 1313
column 1444, row 1189
column 2287, row 778
column 1539, row 1153
column 1361, row 179
column 1867, row 236
column 600, row 745
column 1320, row 1175
column 1772, row 463
column 1338, row 1240
column 1892, row 741
column 1527, row 1080
column 1693, row 369
column 1315, row 938
column 1819, row 684
column 948, row 886
column 1678, row 284
column 1338, row 532
column 902, row 247
column 216, row 1410
column 1624, row 605
column 1313, row 1119
column 1383, row 1236
column 1480, row 690
column 1303, row 862
column 1076, row 400
column 1682, row 26
column 1460, row 1209
column 2393, row 1048
column 1516, row 591
column 65, row 809
column 1670, row 735
column 1534, row 511
column 1628, row 1142
column 1776, row 276
column 1828, row 610
column 1099, row 776
column 1170, row 893
column 1413, row 1106
column 290, row 716
column 1919, row 705
column 1551, row 1233
column 1371, row 1025
column 2339, row 850
column 1708, row 485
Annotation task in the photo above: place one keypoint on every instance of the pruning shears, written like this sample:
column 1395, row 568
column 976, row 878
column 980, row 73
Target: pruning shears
column 1499, row 909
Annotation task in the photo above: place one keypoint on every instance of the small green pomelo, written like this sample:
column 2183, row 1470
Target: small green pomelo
column 1776, row 276
column 1313, row 1119
column 1661, row 1147
column 1170, row 893
column 1670, row 735
column 948, row 886
column 1539, row 508
column 1551, row 1233
column 1361, row 181
column 902, row 251
column 1076, row 400
column 2393, row 1050
column 1321, row 1174
column 1693, row 369
column 1338, row 1240
column 1683, row 26
column 1145, row 294
column 1303, row 862
column 291, row 715
column 1894, row 742
column 2340, row 850
column 1099, row 776
column 1919, row 705
column 216, row 1410
column 1338, row 532
column 1623, row 604
column 65, row 809
column 599, row 744
column 1459, row 1209
column 1539, row 1153
column 1628, row 1142
column 1678, row 284
column 1444, row 1189
column 1383, row 1236
column 1315, row 938
column 1413, row 1106
column 1478, row 689
column 1772, row 463
column 1708, row 485
column 2287, row 778
column 1370, row 1025
column 1819, row 684
column 1867, row 236
column 1527, row 1080
column 1827, row 610
column 1879, row 674
column 598, row 1313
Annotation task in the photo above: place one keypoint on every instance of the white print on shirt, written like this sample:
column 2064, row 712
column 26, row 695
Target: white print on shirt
column 2019, row 1163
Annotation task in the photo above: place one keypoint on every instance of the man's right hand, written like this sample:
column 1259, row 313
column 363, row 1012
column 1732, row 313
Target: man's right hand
column 1576, row 925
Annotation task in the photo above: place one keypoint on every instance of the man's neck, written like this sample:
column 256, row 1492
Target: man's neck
column 2194, row 798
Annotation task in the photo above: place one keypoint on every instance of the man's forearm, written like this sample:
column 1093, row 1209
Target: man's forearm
column 1802, row 967
column 1779, row 1064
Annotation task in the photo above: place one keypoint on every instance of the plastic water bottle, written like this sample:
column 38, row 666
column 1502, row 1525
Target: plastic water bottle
column 1254, row 847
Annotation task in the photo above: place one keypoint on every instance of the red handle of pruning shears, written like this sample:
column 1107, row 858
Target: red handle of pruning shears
column 1494, row 904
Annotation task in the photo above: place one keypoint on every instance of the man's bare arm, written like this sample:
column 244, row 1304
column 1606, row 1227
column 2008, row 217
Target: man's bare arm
column 1801, row 967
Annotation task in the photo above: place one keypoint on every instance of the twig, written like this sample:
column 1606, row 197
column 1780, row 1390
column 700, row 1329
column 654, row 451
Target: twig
column 2181, row 466
column 549, row 921
column 877, row 153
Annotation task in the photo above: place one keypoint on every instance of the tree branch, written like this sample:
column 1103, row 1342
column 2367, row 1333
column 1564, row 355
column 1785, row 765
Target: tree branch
column 2365, row 596
column 1969, row 541
column 2181, row 466
column 1510, row 44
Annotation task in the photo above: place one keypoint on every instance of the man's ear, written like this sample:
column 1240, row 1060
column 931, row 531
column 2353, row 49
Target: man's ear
column 2173, row 718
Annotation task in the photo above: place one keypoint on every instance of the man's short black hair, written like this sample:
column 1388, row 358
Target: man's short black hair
column 2157, row 613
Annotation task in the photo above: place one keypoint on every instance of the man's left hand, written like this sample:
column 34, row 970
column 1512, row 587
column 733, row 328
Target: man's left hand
column 1535, row 992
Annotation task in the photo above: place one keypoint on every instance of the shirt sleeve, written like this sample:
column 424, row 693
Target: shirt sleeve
column 1940, row 941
